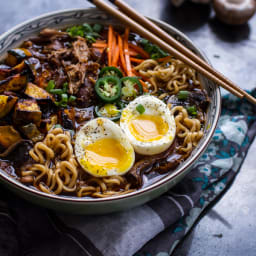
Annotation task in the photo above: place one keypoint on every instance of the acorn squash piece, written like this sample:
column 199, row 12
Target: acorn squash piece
column 67, row 118
column 43, row 78
column 6, row 104
column 37, row 93
column 8, row 136
column 19, row 67
column 47, row 124
column 13, row 83
column 4, row 71
column 31, row 132
column 27, row 111
column 34, row 65
column 16, row 55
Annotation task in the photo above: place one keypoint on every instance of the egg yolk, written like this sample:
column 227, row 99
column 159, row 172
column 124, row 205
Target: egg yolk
column 104, row 155
column 148, row 127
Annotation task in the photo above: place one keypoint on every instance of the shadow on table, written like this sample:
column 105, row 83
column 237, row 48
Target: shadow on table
column 188, row 17
column 228, row 33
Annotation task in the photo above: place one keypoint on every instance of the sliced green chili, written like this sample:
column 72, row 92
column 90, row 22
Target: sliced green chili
column 108, row 88
column 110, row 71
column 109, row 111
column 131, row 88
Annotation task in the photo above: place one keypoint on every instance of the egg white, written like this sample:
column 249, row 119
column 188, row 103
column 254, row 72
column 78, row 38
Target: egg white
column 95, row 130
column 154, row 107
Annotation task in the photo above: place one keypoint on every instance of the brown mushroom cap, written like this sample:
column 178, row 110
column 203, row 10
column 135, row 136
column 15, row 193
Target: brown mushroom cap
column 234, row 12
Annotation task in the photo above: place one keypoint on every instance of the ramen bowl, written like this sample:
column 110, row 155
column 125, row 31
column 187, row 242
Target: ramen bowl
column 61, row 19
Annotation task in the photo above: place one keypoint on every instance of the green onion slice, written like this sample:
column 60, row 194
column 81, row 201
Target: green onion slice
column 50, row 85
column 140, row 109
column 183, row 95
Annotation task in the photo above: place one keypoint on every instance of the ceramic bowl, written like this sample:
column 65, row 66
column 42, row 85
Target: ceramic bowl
column 16, row 35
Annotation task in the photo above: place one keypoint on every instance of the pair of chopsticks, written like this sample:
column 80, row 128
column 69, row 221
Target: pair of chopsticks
column 143, row 26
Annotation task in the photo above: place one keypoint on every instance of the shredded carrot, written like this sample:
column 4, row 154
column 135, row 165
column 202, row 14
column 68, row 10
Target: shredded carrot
column 121, row 53
column 115, row 54
column 113, row 49
column 126, row 52
column 144, row 86
column 163, row 59
column 140, row 51
column 133, row 53
column 136, row 60
column 99, row 45
column 110, row 43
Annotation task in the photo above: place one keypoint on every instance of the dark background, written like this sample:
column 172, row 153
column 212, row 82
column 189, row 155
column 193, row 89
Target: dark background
column 229, row 227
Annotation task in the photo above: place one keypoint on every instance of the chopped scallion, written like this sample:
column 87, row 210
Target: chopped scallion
column 56, row 91
column 72, row 98
column 140, row 109
column 65, row 87
column 50, row 85
column 192, row 110
column 64, row 98
column 182, row 95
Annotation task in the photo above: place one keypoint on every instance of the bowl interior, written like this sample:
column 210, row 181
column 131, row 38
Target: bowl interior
column 18, row 34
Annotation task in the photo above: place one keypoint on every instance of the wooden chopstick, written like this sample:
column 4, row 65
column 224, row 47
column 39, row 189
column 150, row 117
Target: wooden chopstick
column 142, row 20
column 156, row 40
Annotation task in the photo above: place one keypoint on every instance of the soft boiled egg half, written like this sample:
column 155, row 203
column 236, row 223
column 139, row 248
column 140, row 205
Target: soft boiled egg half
column 148, row 124
column 102, row 149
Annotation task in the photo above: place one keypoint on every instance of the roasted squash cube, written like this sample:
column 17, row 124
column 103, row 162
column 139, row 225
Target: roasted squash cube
column 47, row 124
column 37, row 93
column 32, row 132
column 6, row 104
column 19, row 67
column 17, row 55
column 27, row 111
column 4, row 71
column 67, row 118
column 13, row 83
column 8, row 136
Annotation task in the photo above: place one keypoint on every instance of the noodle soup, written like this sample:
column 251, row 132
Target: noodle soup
column 93, row 111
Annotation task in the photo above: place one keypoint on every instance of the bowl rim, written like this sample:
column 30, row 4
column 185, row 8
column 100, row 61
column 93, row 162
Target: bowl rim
column 151, row 187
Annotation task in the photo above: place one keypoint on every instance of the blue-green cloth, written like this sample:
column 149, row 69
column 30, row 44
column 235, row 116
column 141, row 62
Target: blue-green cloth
column 153, row 229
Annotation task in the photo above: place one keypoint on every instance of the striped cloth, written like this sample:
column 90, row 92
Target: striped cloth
column 152, row 229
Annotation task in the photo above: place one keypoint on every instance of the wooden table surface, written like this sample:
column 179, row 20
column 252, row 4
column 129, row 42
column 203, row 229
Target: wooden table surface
column 231, row 50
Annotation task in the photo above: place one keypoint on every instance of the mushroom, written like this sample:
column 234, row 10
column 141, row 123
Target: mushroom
column 234, row 12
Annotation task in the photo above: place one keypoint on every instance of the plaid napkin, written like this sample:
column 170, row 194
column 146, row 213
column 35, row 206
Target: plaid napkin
column 152, row 229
